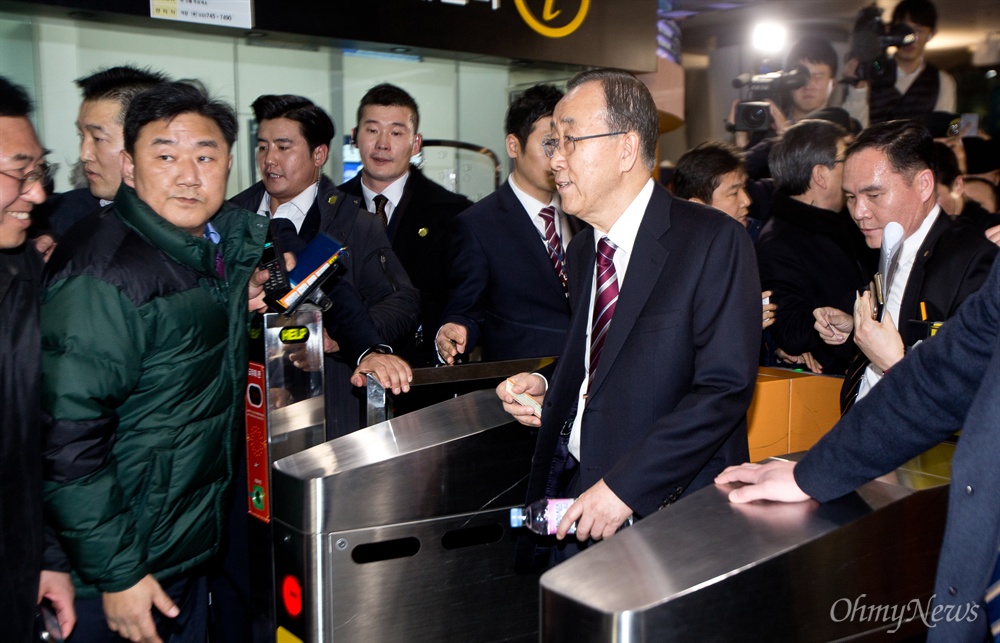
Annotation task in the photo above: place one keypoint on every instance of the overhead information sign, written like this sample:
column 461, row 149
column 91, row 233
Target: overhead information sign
column 223, row 13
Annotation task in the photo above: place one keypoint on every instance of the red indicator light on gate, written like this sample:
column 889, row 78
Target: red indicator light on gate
column 291, row 595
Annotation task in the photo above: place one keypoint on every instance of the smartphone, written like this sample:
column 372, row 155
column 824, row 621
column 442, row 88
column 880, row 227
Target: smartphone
column 968, row 125
column 277, row 284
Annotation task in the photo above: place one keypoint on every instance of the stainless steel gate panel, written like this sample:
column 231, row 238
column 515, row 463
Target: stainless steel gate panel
column 400, row 531
column 707, row 570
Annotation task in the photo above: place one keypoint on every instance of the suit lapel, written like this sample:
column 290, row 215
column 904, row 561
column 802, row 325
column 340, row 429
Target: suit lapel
column 649, row 256
column 910, row 304
column 522, row 229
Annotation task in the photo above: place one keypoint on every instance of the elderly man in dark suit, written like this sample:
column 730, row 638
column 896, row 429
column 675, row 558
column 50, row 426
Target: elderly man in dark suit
column 648, row 400
column 508, row 277
column 950, row 381
column 417, row 212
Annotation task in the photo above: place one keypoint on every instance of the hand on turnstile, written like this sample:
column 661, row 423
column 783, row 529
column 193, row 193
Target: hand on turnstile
column 391, row 371
column 770, row 481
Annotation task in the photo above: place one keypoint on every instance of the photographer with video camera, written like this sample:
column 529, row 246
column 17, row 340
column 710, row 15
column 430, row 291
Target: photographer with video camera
column 883, row 88
column 781, row 99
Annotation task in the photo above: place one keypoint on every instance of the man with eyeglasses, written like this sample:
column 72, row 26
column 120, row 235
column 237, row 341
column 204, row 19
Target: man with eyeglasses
column 22, row 170
column 810, row 254
column 648, row 400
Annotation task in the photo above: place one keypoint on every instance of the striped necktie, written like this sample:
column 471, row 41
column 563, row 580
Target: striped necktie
column 605, row 299
column 993, row 603
column 380, row 201
column 553, row 244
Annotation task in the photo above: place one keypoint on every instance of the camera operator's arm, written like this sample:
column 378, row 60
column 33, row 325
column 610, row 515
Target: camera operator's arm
column 740, row 138
column 856, row 99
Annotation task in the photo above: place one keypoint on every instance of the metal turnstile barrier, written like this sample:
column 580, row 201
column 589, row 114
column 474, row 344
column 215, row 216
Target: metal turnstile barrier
column 707, row 570
column 400, row 531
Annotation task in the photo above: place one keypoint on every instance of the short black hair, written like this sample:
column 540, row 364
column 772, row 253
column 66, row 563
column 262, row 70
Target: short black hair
column 946, row 170
column 388, row 95
column 14, row 99
column 168, row 100
column 813, row 49
column 536, row 102
column 121, row 84
column 802, row 147
column 700, row 170
column 315, row 124
column 907, row 145
column 629, row 107
column 921, row 12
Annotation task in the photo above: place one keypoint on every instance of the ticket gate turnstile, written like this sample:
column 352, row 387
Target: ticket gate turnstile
column 400, row 531
column 284, row 413
column 706, row 570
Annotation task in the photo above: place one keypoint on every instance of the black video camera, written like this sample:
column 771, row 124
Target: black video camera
column 869, row 41
column 754, row 115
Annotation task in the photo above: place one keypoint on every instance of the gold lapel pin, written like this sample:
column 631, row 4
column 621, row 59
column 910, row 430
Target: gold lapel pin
column 422, row 232
column 332, row 200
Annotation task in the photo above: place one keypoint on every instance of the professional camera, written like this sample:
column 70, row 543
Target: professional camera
column 754, row 115
column 869, row 41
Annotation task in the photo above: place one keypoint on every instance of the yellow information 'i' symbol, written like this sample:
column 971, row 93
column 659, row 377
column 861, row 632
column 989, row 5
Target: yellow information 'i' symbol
column 548, row 14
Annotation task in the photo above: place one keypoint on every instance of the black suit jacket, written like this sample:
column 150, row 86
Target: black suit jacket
column 420, row 232
column 951, row 264
column 950, row 381
column 503, row 287
column 373, row 299
column 667, row 406
column 811, row 257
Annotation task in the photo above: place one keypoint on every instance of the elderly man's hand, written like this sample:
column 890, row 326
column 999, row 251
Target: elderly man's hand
column 598, row 514
column 770, row 481
column 533, row 385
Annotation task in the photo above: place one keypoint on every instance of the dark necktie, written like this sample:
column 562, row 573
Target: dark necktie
column 855, row 374
column 553, row 244
column 380, row 202
column 605, row 299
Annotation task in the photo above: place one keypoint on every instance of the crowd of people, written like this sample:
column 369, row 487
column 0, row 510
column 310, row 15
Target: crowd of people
column 124, row 317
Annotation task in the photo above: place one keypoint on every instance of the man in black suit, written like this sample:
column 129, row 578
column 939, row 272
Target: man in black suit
column 810, row 253
column 948, row 382
column 418, row 213
column 651, row 405
column 889, row 177
column 508, row 291
column 293, row 143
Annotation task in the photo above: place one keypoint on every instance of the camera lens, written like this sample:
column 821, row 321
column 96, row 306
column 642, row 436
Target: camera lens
column 756, row 117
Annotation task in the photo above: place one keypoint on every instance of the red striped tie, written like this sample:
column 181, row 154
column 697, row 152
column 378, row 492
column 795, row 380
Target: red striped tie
column 605, row 298
column 553, row 243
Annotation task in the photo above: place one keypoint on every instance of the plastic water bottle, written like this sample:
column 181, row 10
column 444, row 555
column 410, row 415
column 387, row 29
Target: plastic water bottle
column 542, row 516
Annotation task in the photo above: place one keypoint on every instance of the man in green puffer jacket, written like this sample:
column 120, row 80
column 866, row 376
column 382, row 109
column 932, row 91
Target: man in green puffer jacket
column 144, row 326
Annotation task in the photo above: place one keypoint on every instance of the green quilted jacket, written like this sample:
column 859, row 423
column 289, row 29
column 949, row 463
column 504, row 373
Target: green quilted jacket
column 144, row 367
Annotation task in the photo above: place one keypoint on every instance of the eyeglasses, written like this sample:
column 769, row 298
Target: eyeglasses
column 39, row 174
column 550, row 145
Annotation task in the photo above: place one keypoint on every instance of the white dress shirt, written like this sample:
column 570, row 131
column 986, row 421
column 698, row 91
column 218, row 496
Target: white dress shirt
column 904, row 264
column 622, row 234
column 294, row 210
column 533, row 206
column 393, row 192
